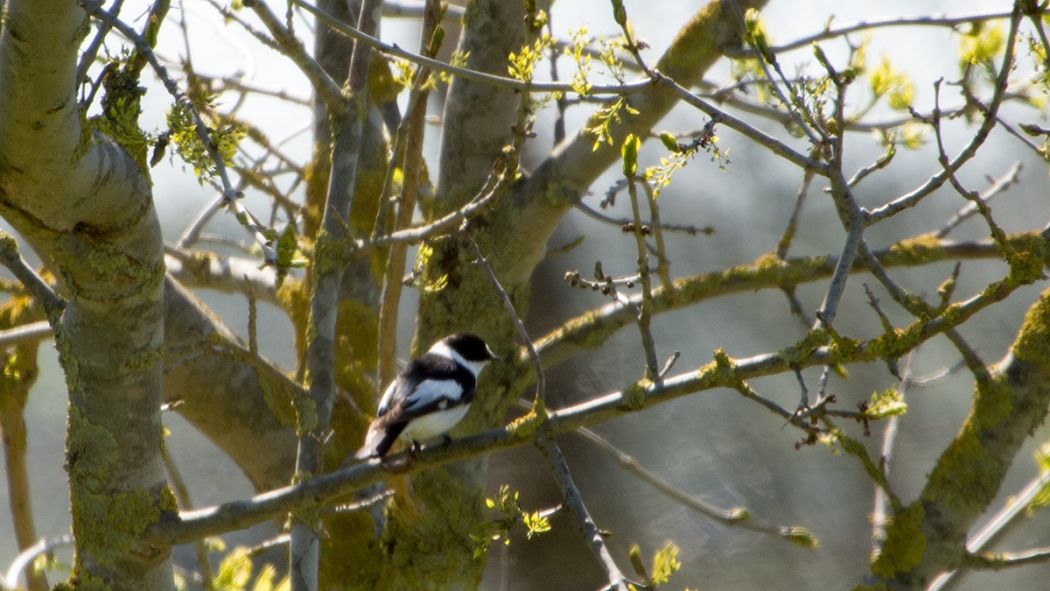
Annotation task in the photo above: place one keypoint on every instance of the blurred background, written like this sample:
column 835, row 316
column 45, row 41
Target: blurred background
column 717, row 446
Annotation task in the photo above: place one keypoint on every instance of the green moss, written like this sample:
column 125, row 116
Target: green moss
column 107, row 523
column 68, row 361
column 82, row 581
column 1027, row 258
column 634, row 396
column 993, row 402
column 904, row 545
column 1033, row 341
column 279, row 399
column 117, row 265
column 91, row 451
column 967, row 476
column 801, row 350
column 432, row 549
column 922, row 249
column 526, row 425
column 143, row 359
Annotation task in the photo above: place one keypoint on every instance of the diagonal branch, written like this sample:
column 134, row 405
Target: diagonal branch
column 327, row 488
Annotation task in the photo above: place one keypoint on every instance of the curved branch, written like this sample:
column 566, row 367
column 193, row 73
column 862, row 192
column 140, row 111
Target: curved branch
column 725, row 373
column 591, row 329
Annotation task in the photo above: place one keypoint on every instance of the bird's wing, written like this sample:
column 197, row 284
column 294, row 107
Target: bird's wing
column 388, row 397
column 432, row 393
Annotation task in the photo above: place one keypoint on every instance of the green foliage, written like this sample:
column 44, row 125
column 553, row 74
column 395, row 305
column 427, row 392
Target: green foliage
column 665, row 563
column 629, row 153
column 235, row 574
column 190, row 147
column 1042, row 498
column 582, row 60
column 431, row 285
column 659, row 176
column 510, row 515
column 600, row 125
column 121, row 108
column 885, row 404
column 755, row 34
column 288, row 254
column 897, row 87
column 980, row 45
column 522, row 63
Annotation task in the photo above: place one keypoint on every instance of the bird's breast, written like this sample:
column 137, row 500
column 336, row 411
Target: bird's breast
column 435, row 423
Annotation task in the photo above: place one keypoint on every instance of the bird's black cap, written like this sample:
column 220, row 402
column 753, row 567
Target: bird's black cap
column 470, row 346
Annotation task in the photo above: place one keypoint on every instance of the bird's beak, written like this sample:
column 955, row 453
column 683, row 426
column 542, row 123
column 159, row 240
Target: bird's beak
column 492, row 355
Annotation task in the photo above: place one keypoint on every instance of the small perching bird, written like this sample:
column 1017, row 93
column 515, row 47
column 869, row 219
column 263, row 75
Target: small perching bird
column 430, row 396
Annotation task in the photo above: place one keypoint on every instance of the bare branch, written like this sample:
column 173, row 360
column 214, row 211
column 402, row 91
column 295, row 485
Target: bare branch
column 519, row 326
column 574, row 501
column 943, row 20
column 440, row 66
column 998, row 186
column 912, row 198
column 46, row 297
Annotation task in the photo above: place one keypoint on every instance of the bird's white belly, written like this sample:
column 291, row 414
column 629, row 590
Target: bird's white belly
column 434, row 424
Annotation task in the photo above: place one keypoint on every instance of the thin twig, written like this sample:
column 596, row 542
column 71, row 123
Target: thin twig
column 915, row 196
column 408, row 145
column 645, row 311
column 26, row 558
column 574, row 501
column 230, row 195
column 331, row 486
column 46, row 297
column 621, row 222
column 440, row 66
column 519, row 326
column 998, row 186
column 895, row 21
column 26, row 333
column 327, row 89
column 882, row 503
column 182, row 495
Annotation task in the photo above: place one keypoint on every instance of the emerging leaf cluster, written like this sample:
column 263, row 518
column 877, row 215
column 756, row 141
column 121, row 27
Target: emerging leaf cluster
column 659, row 176
column 1042, row 498
column 510, row 515
column 600, row 125
column 521, row 64
column 579, row 82
column 980, row 45
column 886, row 81
column 423, row 256
column 885, row 404
column 235, row 573
column 192, row 150
column 665, row 563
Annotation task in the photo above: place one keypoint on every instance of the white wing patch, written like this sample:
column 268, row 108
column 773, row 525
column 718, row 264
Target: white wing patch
column 430, row 391
column 387, row 399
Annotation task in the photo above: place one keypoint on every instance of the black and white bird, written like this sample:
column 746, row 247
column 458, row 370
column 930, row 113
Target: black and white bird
column 430, row 396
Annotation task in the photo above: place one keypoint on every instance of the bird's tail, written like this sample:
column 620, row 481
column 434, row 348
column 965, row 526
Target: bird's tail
column 377, row 443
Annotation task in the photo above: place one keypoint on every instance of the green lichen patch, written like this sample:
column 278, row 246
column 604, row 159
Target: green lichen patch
column 527, row 424
column 108, row 524
column 967, row 476
column 993, row 402
column 904, row 545
column 923, row 249
column 1033, row 341
column 634, row 396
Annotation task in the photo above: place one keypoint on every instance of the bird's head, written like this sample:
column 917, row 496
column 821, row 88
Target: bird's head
column 466, row 348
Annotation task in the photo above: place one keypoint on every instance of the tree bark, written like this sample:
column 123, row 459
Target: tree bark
column 86, row 206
